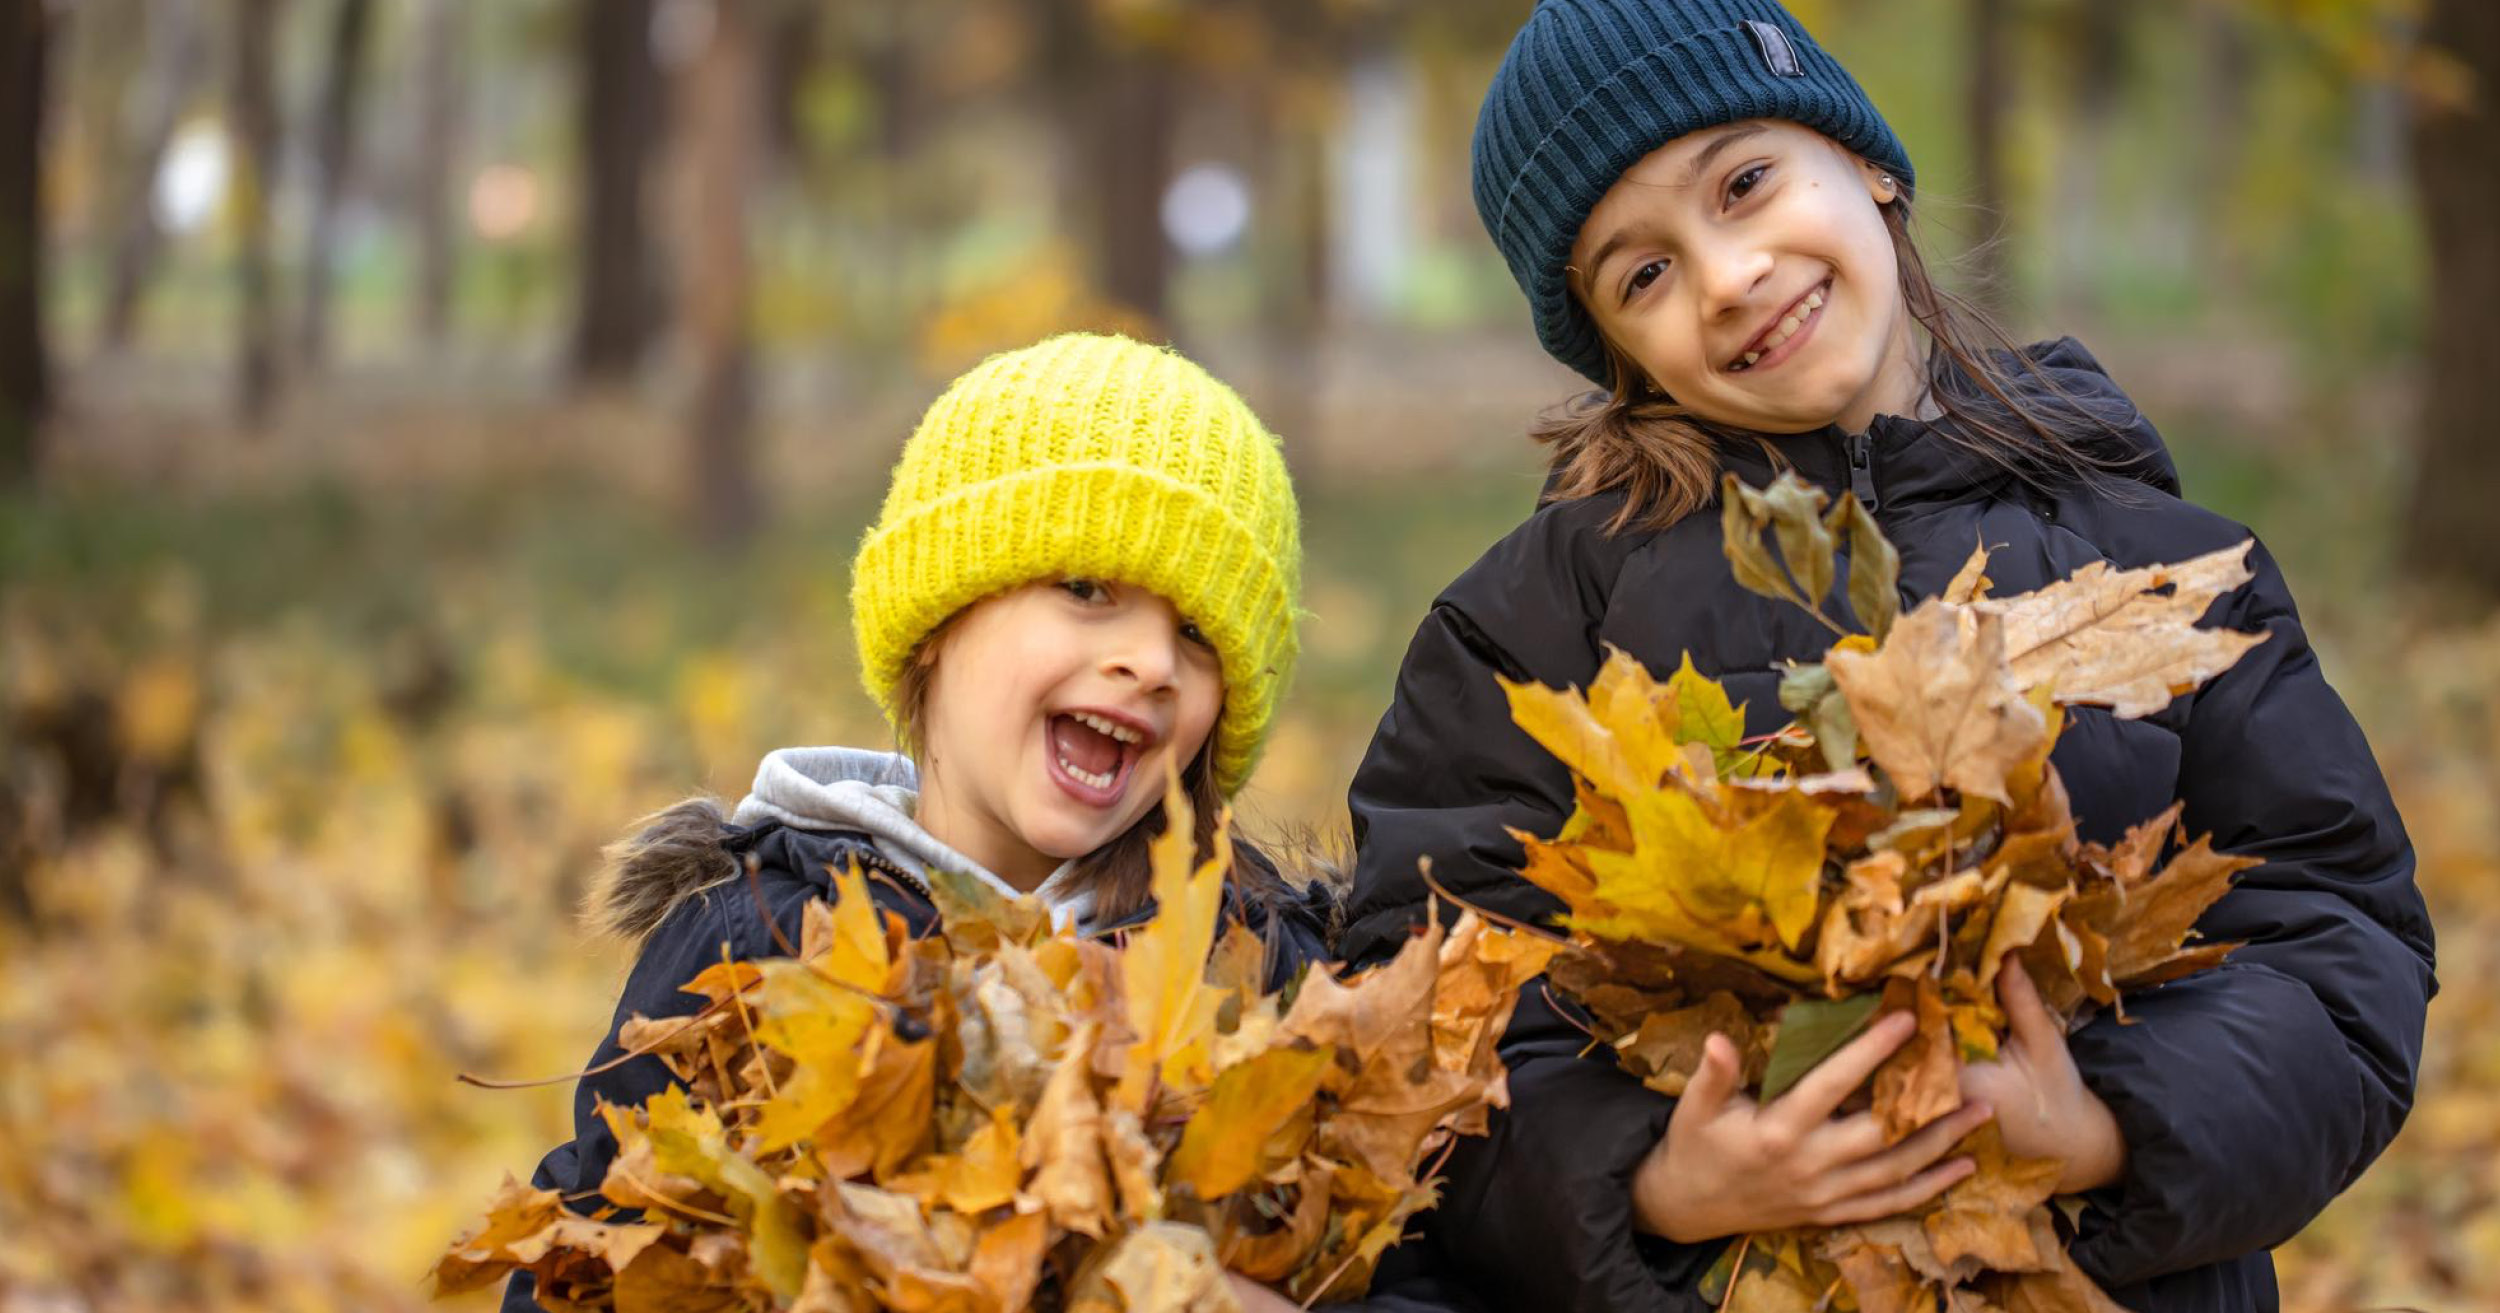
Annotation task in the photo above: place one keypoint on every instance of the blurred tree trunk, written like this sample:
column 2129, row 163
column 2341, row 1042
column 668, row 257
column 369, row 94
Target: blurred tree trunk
column 2094, row 37
column 2227, row 66
column 621, row 116
column 2452, row 535
column 1989, row 99
column 342, row 104
column 895, row 284
column 1131, row 131
column 177, row 56
column 1114, row 98
column 789, row 55
column 253, row 107
column 719, row 139
column 25, row 382
column 1294, row 137
column 442, row 27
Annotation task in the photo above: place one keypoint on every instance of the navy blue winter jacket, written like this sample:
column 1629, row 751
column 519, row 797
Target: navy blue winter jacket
column 792, row 868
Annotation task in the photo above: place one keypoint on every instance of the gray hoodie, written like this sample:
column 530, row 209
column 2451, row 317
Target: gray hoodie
column 876, row 793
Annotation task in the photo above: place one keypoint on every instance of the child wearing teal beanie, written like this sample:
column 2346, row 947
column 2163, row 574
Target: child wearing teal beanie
column 1710, row 221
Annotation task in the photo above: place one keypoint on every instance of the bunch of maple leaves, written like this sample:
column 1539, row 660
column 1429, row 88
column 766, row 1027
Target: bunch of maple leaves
column 1885, row 852
column 1004, row 1117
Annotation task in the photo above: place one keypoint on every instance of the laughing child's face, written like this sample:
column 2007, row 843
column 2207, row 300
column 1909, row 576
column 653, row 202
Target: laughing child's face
column 1746, row 268
column 1050, row 716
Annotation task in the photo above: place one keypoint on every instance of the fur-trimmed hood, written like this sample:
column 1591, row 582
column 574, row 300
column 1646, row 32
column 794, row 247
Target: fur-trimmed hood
column 828, row 789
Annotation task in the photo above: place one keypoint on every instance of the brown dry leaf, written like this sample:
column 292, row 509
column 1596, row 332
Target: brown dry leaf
column 989, row 1170
column 1007, row 1263
column 1162, row 1267
column 1064, row 1140
column 482, row 1257
column 887, row 1123
column 2158, row 915
column 1667, row 1048
column 1937, row 704
column 2113, row 638
column 1879, row 1277
column 1970, row 583
column 1375, row 1212
column 1134, row 1160
column 1987, row 1216
column 1481, row 972
column 1922, row 1080
column 662, row 1280
column 1274, row 1254
column 1775, row 1289
column 2063, row 1289
column 2023, row 912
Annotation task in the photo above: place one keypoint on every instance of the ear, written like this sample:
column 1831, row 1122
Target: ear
column 1881, row 186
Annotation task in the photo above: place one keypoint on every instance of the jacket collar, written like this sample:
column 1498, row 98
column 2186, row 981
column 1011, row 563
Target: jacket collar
column 1904, row 462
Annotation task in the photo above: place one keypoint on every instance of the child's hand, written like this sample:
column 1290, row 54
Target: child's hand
column 2045, row 1109
column 1728, row 1165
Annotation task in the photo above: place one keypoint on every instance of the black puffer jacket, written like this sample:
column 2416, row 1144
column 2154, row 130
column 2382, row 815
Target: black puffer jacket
column 2249, row 1096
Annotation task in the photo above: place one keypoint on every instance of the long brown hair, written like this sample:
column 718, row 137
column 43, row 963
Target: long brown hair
column 1120, row 872
column 1665, row 458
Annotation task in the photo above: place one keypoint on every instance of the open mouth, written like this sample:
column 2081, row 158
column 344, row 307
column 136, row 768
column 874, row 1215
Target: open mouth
column 1778, row 341
column 1092, row 754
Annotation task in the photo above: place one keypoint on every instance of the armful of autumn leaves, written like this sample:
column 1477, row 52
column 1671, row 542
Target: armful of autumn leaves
column 1002, row 1117
column 1885, row 852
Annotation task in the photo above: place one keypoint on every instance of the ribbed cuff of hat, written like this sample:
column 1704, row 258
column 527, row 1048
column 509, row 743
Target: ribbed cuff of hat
column 1114, row 522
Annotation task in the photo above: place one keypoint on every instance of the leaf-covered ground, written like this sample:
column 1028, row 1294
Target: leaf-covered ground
column 298, row 793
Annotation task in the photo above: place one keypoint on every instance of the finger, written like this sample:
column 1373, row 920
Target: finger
column 2024, row 1009
column 1920, row 1151
column 1896, row 1199
column 1846, row 1141
column 1714, row 1081
column 1811, row 1100
column 1992, row 1083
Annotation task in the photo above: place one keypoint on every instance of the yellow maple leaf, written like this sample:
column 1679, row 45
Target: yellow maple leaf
column 1688, row 872
column 1236, row 1132
column 1163, row 967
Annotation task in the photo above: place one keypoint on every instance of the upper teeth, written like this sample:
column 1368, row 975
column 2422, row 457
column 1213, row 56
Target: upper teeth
column 1112, row 728
column 1787, row 326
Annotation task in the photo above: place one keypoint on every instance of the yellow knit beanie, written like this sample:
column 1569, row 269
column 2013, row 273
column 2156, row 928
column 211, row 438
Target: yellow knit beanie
column 1092, row 456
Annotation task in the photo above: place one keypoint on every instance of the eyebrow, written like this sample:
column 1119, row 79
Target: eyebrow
column 1727, row 137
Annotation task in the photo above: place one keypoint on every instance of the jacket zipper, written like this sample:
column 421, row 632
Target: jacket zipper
column 871, row 859
column 1859, row 448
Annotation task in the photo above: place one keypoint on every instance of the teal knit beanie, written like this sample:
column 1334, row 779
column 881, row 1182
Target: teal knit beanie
column 1591, row 86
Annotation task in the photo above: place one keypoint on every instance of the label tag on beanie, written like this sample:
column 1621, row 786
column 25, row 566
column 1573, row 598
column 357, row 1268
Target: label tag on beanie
column 1776, row 52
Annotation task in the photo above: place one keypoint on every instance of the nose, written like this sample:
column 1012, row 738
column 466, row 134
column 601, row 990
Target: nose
column 1145, row 649
column 1730, row 276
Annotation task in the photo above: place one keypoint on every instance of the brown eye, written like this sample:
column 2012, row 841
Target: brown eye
column 1083, row 590
column 1648, row 273
column 1746, row 181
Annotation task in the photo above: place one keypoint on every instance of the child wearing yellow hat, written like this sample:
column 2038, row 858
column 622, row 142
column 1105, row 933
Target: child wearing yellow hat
column 1085, row 573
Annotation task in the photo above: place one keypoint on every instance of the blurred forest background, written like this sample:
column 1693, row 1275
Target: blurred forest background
column 433, row 433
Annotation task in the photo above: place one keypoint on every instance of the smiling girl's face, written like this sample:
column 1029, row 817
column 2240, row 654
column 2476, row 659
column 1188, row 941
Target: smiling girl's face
column 1746, row 268
column 1050, row 716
